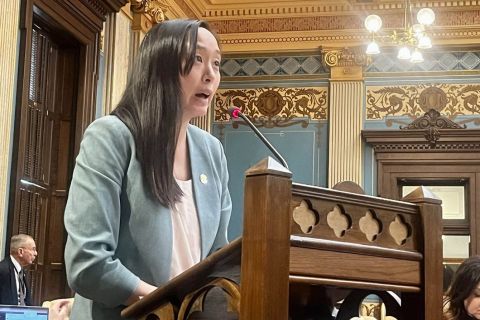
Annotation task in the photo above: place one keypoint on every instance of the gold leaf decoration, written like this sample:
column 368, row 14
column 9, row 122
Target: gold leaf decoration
column 450, row 100
column 345, row 57
column 273, row 107
column 155, row 8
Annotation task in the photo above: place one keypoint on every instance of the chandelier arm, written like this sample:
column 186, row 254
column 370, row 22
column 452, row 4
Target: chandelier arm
column 410, row 37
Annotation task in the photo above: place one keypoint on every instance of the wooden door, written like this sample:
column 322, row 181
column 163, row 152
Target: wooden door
column 45, row 156
column 56, row 101
column 449, row 166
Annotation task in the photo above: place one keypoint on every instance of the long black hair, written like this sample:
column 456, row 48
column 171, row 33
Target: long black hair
column 465, row 280
column 151, row 103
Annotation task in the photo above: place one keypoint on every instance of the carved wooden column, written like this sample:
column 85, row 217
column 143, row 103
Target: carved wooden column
column 8, row 51
column 266, row 242
column 431, row 216
column 345, row 115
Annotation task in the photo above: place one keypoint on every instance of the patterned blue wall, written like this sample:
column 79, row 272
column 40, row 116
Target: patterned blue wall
column 302, row 148
column 304, row 65
column 306, row 150
column 274, row 66
column 433, row 62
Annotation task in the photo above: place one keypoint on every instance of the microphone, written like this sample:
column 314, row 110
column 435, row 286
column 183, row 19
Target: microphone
column 235, row 113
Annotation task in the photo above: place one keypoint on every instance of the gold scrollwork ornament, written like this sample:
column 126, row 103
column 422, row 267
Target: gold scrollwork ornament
column 155, row 8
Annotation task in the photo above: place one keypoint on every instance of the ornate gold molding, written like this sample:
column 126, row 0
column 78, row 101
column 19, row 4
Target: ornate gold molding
column 345, row 57
column 346, row 63
column 228, row 10
column 156, row 9
column 273, row 107
column 450, row 100
column 291, row 41
column 141, row 22
column 287, row 41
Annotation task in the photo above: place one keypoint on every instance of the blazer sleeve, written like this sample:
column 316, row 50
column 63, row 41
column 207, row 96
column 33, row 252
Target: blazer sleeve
column 221, row 238
column 93, row 214
column 8, row 295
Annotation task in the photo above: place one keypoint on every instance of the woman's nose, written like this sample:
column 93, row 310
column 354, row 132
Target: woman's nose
column 208, row 73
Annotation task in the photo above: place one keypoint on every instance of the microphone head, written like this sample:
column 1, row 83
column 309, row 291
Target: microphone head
column 234, row 112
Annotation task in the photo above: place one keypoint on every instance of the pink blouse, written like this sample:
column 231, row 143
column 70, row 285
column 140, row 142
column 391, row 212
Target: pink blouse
column 185, row 231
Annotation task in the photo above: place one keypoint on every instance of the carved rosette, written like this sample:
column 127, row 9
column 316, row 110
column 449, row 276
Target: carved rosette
column 273, row 107
column 450, row 100
column 156, row 9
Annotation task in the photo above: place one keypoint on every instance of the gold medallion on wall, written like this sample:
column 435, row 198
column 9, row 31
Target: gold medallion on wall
column 273, row 107
column 449, row 100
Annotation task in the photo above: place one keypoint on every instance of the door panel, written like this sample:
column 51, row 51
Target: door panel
column 45, row 154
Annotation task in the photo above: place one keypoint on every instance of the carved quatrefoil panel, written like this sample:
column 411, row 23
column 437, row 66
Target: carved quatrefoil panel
column 339, row 221
column 400, row 230
column 305, row 217
column 370, row 225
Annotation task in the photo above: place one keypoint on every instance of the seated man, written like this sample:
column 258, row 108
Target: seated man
column 14, row 289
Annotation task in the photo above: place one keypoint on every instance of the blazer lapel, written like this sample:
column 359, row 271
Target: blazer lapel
column 204, row 189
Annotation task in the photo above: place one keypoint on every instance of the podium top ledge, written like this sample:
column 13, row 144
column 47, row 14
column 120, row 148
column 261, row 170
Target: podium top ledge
column 268, row 166
column 422, row 194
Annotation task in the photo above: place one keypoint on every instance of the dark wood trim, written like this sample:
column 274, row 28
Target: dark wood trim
column 307, row 191
column 406, row 154
column 416, row 141
column 338, row 246
column 352, row 283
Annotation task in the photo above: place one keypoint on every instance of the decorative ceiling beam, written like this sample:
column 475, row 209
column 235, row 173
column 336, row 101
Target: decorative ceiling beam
column 302, row 41
column 233, row 10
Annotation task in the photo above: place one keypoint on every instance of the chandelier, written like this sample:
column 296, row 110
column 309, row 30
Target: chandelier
column 411, row 40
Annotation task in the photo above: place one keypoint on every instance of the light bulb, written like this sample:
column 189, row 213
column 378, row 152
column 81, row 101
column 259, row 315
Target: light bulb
column 404, row 53
column 424, row 42
column 373, row 23
column 416, row 57
column 372, row 48
column 418, row 30
column 426, row 16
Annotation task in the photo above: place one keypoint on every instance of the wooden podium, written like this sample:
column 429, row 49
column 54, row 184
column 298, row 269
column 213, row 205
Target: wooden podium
column 301, row 236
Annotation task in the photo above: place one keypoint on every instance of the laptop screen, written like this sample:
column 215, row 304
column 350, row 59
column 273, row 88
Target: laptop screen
column 23, row 313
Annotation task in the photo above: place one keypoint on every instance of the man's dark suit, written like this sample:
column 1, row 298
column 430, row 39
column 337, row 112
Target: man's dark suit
column 8, row 285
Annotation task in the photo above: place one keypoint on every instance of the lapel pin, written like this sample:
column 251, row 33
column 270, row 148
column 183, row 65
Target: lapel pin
column 203, row 178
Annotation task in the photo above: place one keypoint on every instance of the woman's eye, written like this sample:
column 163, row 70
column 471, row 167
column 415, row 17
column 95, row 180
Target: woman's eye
column 217, row 63
column 198, row 58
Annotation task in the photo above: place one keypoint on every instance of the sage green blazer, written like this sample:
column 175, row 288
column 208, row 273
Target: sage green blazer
column 117, row 233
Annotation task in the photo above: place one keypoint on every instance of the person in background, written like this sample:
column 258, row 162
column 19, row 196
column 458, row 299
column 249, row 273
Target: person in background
column 462, row 300
column 14, row 288
column 149, row 194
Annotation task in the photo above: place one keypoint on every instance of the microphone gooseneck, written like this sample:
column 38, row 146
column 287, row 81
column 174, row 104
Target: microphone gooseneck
column 235, row 113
